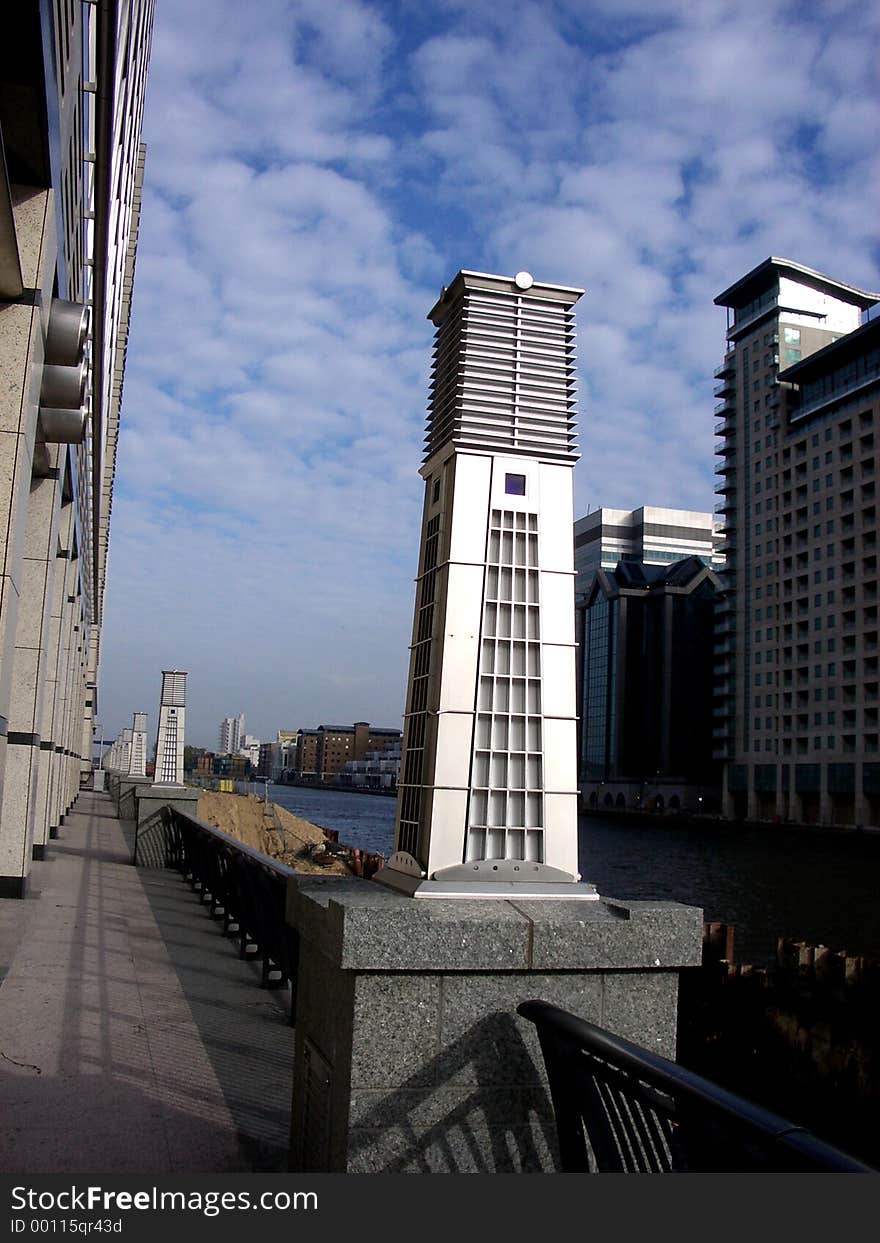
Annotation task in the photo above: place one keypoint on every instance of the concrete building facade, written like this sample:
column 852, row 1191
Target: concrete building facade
column 796, row 701
column 72, row 81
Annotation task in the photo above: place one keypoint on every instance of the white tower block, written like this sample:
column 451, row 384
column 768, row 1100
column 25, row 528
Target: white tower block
column 137, row 766
column 125, row 751
column 487, row 801
column 169, row 739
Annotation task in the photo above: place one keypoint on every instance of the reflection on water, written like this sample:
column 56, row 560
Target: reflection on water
column 812, row 885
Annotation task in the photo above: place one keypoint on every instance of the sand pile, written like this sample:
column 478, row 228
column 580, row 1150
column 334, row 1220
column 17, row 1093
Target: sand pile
column 273, row 830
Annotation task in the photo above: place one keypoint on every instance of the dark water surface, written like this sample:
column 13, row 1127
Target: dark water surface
column 363, row 820
column 813, row 885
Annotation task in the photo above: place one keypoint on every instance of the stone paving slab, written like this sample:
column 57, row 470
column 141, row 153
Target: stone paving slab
column 132, row 1037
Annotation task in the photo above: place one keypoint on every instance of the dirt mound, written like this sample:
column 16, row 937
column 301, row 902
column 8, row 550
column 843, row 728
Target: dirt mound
column 273, row 830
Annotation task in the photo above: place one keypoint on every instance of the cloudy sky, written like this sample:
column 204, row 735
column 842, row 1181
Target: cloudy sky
column 316, row 170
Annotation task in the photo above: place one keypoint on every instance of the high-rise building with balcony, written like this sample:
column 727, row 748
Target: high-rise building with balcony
column 72, row 82
column 796, row 673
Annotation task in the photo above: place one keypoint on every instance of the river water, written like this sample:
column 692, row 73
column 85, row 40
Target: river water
column 812, row 885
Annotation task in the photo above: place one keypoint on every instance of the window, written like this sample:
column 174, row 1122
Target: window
column 515, row 485
column 436, row 494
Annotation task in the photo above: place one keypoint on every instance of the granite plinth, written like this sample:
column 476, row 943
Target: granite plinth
column 410, row 1055
column 149, row 840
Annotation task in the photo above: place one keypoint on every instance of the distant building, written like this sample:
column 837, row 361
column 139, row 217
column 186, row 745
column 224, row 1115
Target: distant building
column 269, row 761
column 378, row 770
column 645, row 692
column 250, row 749
column 231, row 734
column 322, row 753
column 652, row 535
column 235, row 766
column 796, row 711
column 305, row 758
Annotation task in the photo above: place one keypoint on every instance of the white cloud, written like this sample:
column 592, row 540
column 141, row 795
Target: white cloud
column 312, row 179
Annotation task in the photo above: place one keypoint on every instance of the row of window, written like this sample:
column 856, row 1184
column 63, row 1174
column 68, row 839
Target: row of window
column 802, row 721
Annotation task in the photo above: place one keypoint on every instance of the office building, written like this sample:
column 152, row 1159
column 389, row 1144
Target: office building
column 645, row 694
column 648, row 534
column 796, row 638
column 488, row 784
column 72, row 80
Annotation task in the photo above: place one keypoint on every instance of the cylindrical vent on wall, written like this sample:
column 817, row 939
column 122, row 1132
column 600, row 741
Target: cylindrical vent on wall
column 66, row 335
column 62, row 427
column 63, row 388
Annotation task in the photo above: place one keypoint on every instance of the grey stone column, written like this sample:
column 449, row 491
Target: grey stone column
column 65, row 661
column 65, row 670
column 66, row 577
column 409, row 1054
column 861, row 810
column 795, row 808
column 825, row 809
column 21, row 359
column 727, row 801
column 43, row 820
column 72, row 705
column 26, row 719
column 751, row 794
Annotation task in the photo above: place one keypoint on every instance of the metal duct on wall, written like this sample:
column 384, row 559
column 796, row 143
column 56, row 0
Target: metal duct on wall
column 62, row 427
column 66, row 335
column 63, row 387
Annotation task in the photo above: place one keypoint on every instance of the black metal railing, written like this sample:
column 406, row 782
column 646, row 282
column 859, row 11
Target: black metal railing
column 242, row 887
column 621, row 1108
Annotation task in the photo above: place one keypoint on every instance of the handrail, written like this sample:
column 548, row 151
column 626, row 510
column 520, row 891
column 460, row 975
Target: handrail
column 237, row 844
column 622, row 1107
column 244, row 887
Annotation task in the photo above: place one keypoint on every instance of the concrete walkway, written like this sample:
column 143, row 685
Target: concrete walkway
column 132, row 1037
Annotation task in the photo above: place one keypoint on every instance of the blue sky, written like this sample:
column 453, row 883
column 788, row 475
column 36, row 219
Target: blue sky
column 315, row 176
